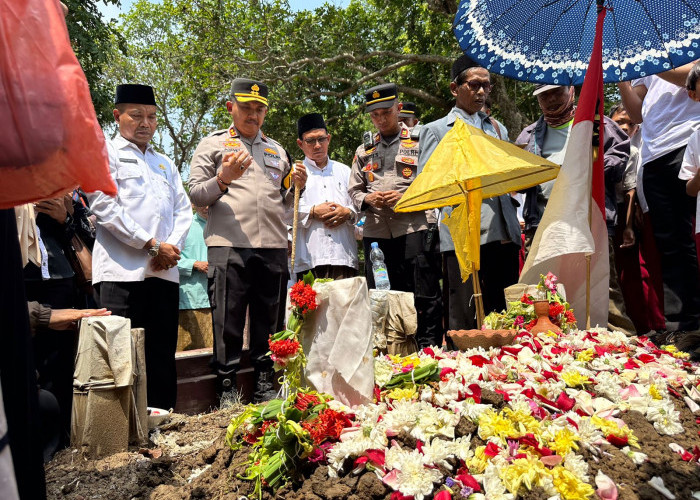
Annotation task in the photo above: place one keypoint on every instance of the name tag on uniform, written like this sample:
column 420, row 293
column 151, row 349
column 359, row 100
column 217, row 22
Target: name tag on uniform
column 128, row 160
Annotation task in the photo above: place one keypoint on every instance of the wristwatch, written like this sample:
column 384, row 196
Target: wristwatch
column 153, row 251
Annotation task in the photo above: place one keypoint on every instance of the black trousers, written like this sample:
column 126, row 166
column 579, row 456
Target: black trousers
column 19, row 387
column 54, row 350
column 672, row 211
column 413, row 264
column 499, row 269
column 240, row 279
column 151, row 304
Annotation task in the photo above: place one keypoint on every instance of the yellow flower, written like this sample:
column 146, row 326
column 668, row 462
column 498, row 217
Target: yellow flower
column 572, row 378
column 526, row 472
column 569, row 486
column 564, row 441
column 654, row 392
column 496, row 424
column 585, row 356
column 400, row 394
column 526, row 423
column 608, row 427
column 477, row 464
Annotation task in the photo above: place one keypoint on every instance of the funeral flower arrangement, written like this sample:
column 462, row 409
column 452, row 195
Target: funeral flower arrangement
column 521, row 313
column 285, row 348
column 483, row 424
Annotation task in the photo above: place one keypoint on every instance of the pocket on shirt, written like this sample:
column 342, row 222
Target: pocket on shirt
column 405, row 170
column 273, row 170
column 130, row 183
column 166, row 186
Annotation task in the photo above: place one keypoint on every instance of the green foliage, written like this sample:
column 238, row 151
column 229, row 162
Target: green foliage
column 95, row 44
column 313, row 60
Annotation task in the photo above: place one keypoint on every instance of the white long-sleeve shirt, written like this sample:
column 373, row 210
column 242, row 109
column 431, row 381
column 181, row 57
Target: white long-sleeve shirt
column 318, row 245
column 150, row 203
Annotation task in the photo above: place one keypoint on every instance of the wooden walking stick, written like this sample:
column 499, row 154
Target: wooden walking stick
column 295, row 222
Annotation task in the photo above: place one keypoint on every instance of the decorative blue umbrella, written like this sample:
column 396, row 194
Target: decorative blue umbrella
column 550, row 41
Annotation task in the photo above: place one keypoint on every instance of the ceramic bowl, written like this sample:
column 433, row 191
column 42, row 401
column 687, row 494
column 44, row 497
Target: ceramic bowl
column 469, row 339
column 156, row 416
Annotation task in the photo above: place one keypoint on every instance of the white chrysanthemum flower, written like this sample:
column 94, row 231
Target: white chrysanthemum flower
column 355, row 443
column 461, row 449
column 665, row 418
column 434, row 421
column 383, row 371
column 369, row 413
column 577, row 466
column 404, row 415
column 636, row 456
column 494, row 489
column 413, row 477
column 437, row 452
column 468, row 409
column 588, row 432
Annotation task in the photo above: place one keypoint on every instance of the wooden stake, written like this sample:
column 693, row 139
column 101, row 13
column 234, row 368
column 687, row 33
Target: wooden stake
column 295, row 222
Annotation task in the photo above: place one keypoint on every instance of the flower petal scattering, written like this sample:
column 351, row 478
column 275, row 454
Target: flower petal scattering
column 483, row 424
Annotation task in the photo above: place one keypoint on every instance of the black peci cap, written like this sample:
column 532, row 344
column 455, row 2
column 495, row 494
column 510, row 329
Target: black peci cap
column 381, row 96
column 312, row 121
column 134, row 93
column 462, row 63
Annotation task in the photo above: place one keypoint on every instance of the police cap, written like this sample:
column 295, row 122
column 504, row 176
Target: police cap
column 246, row 90
column 381, row 96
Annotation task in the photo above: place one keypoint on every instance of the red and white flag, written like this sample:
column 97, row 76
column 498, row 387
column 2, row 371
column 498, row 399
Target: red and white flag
column 564, row 236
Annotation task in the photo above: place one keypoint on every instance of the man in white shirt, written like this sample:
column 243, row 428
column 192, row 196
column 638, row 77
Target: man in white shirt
column 139, row 236
column 660, row 103
column 325, row 238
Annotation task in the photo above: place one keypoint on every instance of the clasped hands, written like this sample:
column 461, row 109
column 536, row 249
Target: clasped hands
column 383, row 199
column 331, row 214
column 167, row 257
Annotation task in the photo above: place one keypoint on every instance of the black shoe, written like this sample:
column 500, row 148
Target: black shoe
column 264, row 386
column 659, row 337
column 225, row 383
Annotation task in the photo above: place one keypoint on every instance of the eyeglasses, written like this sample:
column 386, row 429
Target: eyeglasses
column 312, row 141
column 474, row 85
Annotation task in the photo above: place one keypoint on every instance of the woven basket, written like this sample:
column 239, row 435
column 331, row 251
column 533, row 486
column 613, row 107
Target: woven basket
column 469, row 339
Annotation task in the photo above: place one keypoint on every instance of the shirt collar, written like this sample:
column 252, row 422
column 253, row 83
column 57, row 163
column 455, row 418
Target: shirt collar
column 258, row 137
column 458, row 112
column 123, row 143
column 310, row 163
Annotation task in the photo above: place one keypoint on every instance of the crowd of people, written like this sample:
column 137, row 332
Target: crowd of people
column 223, row 273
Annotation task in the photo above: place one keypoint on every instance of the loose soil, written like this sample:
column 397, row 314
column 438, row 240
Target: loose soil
column 188, row 459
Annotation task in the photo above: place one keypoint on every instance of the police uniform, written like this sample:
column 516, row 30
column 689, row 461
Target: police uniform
column 409, row 110
column 246, row 236
column 408, row 240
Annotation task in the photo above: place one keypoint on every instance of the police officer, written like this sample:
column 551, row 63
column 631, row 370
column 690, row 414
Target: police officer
column 383, row 168
column 246, row 180
column 409, row 114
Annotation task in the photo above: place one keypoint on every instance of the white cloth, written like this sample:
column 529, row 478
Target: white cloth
column 318, row 245
column 670, row 117
column 337, row 340
column 150, row 203
column 689, row 167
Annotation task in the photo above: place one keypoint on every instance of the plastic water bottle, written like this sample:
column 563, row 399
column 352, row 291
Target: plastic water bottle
column 381, row 276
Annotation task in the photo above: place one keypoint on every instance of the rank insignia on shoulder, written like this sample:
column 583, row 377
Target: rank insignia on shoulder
column 408, row 159
column 404, row 133
column 407, row 172
column 232, row 131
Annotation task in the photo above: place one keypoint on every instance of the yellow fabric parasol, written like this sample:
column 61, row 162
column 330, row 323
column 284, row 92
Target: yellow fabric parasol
column 467, row 166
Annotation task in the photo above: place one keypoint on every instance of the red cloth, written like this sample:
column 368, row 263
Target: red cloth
column 52, row 141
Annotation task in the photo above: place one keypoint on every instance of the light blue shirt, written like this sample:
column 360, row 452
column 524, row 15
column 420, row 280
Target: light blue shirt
column 193, row 284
